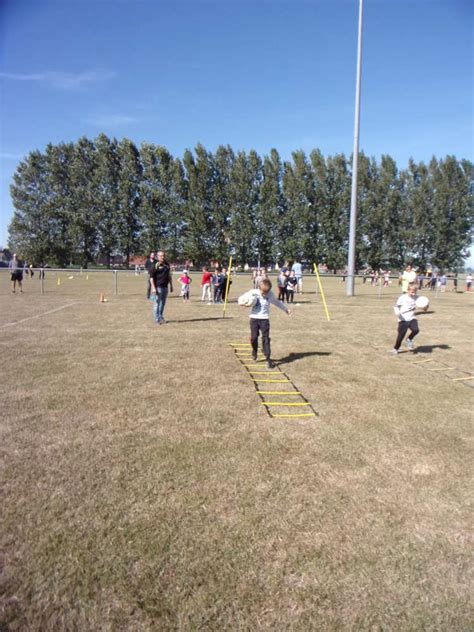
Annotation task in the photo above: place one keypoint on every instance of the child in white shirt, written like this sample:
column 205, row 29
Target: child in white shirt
column 404, row 309
column 260, row 319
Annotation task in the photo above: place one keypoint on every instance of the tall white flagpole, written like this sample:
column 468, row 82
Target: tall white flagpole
column 355, row 161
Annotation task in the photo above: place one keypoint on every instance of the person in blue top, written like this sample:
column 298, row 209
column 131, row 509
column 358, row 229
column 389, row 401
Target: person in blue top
column 297, row 268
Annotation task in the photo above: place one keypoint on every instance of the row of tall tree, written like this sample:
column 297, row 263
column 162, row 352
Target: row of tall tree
column 76, row 201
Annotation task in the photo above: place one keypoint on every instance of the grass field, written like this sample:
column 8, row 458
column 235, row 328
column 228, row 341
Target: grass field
column 145, row 487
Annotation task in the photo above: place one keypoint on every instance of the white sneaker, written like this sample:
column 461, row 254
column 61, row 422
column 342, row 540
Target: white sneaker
column 395, row 351
column 409, row 344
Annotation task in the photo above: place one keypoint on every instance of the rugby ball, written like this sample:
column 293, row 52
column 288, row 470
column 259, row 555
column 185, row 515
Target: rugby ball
column 422, row 302
column 248, row 299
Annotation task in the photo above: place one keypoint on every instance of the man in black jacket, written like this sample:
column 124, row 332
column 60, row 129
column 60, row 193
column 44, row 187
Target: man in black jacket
column 149, row 263
column 160, row 279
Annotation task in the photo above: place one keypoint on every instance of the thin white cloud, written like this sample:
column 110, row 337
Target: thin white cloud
column 111, row 120
column 6, row 155
column 62, row 80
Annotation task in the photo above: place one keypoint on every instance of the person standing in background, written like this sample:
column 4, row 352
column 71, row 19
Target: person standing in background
column 160, row 280
column 149, row 264
column 16, row 271
column 297, row 268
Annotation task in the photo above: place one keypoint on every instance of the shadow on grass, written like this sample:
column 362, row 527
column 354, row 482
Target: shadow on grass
column 297, row 356
column 196, row 320
column 429, row 348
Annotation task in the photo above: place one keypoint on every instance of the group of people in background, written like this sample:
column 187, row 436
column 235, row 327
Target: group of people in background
column 430, row 278
column 290, row 280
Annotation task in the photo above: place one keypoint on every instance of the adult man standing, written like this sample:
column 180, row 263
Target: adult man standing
column 160, row 279
column 298, row 270
column 149, row 264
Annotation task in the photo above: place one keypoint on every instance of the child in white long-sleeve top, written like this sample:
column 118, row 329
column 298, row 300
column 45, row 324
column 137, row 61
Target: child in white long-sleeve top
column 404, row 309
column 260, row 319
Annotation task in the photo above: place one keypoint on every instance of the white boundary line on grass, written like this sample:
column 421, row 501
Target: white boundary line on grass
column 51, row 311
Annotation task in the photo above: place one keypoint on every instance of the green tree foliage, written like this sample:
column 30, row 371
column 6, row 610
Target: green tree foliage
column 300, row 230
column 380, row 242
column 106, row 186
column 270, row 211
column 221, row 201
column 452, row 212
column 32, row 229
column 128, row 217
column 334, row 184
column 83, row 209
column 245, row 183
column 79, row 200
column 198, row 229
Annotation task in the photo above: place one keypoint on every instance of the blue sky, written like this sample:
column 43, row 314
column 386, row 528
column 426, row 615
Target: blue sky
column 249, row 73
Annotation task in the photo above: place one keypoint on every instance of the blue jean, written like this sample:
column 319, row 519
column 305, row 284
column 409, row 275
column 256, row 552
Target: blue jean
column 159, row 303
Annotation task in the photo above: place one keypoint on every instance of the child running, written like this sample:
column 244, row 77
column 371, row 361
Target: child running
column 185, row 281
column 404, row 309
column 260, row 319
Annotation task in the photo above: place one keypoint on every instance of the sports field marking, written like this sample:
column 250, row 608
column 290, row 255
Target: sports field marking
column 463, row 379
column 447, row 368
column 51, row 311
column 286, row 404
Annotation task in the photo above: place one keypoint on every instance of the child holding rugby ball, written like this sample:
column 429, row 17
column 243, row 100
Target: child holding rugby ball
column 260, row 301
column 404, row 309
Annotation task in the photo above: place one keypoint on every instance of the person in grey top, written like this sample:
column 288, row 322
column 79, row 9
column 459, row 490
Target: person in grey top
column 16, row 271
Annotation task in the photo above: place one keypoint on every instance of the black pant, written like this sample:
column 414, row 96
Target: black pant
column 258, row 325
column 403, row 327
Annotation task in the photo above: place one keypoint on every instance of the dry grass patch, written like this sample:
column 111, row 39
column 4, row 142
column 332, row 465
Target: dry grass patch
column 143, row 486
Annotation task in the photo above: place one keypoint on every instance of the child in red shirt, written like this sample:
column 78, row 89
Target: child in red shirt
column 206, row 284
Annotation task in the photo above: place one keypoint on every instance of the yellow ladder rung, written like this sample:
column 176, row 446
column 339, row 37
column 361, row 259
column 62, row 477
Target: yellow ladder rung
column 255, row 366
column 421, row 361
column 448, row 368
column 296, row 415
column 286, row 404
column 239, row 344
column 265, row 372
column 257, row 379
column 279, row 392
column 462, row 379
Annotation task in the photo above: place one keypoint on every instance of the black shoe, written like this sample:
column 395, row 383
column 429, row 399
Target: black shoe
column 270, row 364
column 254, row 356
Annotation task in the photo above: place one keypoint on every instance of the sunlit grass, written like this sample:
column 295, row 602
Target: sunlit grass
column 145, row 487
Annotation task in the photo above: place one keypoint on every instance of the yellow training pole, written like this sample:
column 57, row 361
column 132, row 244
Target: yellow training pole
column 227, row 285
column 322, row 291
